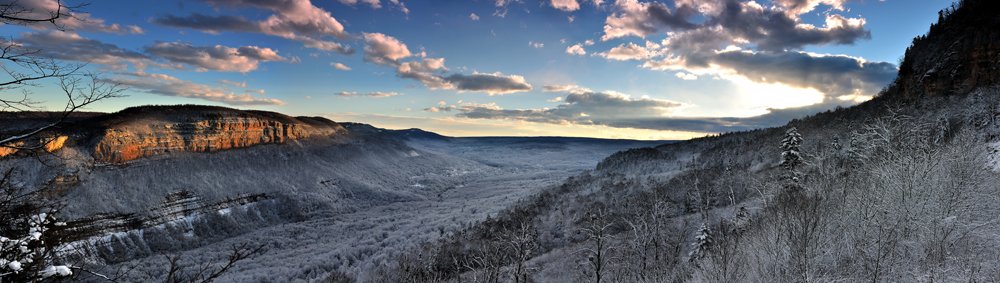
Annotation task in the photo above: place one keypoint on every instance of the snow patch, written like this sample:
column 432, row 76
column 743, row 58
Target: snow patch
column 993, row 157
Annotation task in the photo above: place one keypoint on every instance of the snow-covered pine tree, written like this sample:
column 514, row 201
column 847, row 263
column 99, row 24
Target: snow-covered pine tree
column 702, row 241
column 790, row 149
column 791, row 156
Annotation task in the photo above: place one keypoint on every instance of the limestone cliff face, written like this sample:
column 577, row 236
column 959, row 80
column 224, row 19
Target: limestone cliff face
column 151, row 131
column 48, row 144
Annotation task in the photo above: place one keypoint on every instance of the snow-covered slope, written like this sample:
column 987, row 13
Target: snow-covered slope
column 321, row 203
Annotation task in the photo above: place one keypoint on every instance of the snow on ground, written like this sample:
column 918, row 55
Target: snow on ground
column 495, row 173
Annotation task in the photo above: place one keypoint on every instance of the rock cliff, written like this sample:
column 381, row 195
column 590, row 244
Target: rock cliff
column 146, row 131
column 153, row 130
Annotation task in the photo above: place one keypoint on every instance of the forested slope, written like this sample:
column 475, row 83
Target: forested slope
column 896, row 189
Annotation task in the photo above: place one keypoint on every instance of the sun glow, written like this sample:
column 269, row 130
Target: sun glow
column 761, row 96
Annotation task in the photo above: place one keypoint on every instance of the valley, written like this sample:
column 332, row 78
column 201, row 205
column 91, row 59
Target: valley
column 346, row 204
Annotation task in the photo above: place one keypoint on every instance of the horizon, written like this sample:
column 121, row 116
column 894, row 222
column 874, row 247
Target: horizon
column 627, row 69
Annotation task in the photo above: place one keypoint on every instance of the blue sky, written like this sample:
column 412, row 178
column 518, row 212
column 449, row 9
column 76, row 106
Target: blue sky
column 615, row 69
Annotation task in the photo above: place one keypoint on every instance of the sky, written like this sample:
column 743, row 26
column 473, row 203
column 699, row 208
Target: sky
column 637, row 69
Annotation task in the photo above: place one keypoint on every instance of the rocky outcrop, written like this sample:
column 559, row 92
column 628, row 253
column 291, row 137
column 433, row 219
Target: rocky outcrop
column 149, row 131
column 959, row 53
column 177, row 206
column 47, row 144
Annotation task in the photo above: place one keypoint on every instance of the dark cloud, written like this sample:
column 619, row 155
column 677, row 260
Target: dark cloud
column 490, row 83
column 769, row 28
column 297, row 20
column 73, row 47
column 774, row 118
column 377, row 4
column 386, row 50
column 216, row 58
column 832, row 75
column 635, row 18
column 580, row 107
column 773, row 29
column 427, row 71
column 208, row 23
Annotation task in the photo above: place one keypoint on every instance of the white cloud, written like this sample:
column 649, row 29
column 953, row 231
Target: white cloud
column 576, row 49
column 340, row 66
column 565, row 5
column 627, row 51
column 384, row 50
column 686, row 76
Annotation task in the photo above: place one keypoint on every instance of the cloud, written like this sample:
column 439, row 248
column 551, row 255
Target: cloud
column 501, row 7
column 427, row 71
column 235, row 84
column 576, row 49
column 490, row 83
column 297, row 20
column 634, row 18
column 628, row 51
column 768, row 28
column 536, row 44
column 686, row 76
column 376, row 4
column 775, row 30
column 73, row 47
column 216, row 58
column 68, row 20
column 384, row 50
column 774, row 117
column 209, row 24
column 162, row 84
column 583, row 108
column 473, row 17
column 799, row 7
column 340, row 66
column 377, row 94
column 734, row 38
column 831, row 74
column 569, row 88
column 373, row 3
column 565, row 5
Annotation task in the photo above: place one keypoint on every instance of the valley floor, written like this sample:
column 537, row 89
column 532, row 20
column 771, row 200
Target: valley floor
column 358, row 242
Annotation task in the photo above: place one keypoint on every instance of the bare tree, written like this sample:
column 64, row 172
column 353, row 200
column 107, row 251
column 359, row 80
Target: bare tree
column 25, row 68
column 523, row 242
column 29, row 229
column 597, row 254
column 208, row 272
